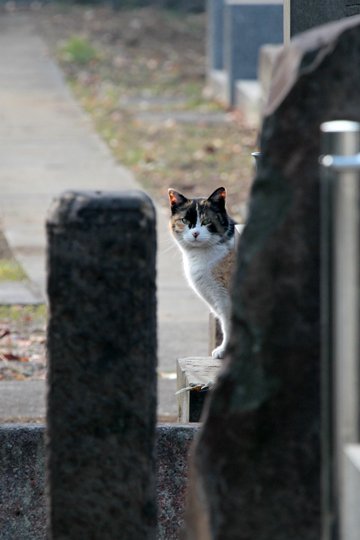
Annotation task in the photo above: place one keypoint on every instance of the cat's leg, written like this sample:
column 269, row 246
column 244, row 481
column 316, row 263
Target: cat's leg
column 223, row 316
column 219, row 352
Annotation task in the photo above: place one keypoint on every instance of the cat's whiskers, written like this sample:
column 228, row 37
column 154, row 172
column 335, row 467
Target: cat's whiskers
column 171, row 247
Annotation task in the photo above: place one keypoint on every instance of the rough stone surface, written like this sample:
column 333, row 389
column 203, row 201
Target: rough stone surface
column 257, row 461
column 22, row 482
column 102, row 366
column 173, row 446
column 305, row 14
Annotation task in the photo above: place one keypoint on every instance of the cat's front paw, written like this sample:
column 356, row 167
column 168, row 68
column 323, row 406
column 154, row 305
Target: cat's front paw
column 219, row 352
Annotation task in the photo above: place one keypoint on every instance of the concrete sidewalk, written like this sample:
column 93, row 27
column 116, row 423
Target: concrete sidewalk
column 49, row 145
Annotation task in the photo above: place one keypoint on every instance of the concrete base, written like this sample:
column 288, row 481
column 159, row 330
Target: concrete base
column 217, row 84
column 248, row 101
column 250, row 95
column 247, row 95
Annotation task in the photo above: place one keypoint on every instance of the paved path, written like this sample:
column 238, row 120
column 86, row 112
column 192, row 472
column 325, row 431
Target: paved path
column 48, row 145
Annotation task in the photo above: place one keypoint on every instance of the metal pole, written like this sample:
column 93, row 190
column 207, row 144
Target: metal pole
column 257, row 157
column 340, row 311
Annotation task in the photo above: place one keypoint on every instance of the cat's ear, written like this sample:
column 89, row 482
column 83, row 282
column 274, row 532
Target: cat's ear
column 176, row 199
column 218, row 197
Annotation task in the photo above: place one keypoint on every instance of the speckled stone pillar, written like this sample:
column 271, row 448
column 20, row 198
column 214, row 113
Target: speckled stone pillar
column 173, row 446
column 256, row 466
column 102, row 367
column 22, row 482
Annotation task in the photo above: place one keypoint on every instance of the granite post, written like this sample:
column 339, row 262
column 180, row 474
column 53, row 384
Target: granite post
column 173, row 446
column 102, row 367
column 256, row 465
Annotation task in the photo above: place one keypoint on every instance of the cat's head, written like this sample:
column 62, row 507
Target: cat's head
column 200, row 222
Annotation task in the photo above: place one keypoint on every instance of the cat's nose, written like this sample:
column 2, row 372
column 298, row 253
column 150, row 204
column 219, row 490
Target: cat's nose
column 195, row 234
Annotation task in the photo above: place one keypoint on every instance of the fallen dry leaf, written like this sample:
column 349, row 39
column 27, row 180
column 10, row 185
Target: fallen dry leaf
column 210, row 149
column 4, row 332
column 13, row 357
column 19, row 377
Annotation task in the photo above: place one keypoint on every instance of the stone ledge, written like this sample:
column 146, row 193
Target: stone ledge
column 22, row 479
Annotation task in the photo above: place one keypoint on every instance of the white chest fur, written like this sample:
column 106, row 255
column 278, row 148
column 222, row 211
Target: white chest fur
column 199, row 265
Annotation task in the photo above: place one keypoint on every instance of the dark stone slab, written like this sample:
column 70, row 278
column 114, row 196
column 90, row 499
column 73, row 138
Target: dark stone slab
column 22, row 482
column 215, row 34
column 257, row 461
column 102, row 366
column 247, row 28
column 305, row 14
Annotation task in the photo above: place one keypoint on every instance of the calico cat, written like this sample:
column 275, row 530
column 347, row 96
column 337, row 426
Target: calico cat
column 205, row 234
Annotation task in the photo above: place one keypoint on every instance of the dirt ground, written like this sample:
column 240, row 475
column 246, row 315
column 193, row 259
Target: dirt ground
column 141, row 75
column 22, row 343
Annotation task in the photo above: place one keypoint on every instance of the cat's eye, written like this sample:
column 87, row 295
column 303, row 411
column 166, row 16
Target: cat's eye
column 206, row 221
column 184, row 220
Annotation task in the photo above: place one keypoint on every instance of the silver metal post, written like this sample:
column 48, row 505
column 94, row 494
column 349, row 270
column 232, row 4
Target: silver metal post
column 257, row 157
column 340, row 311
